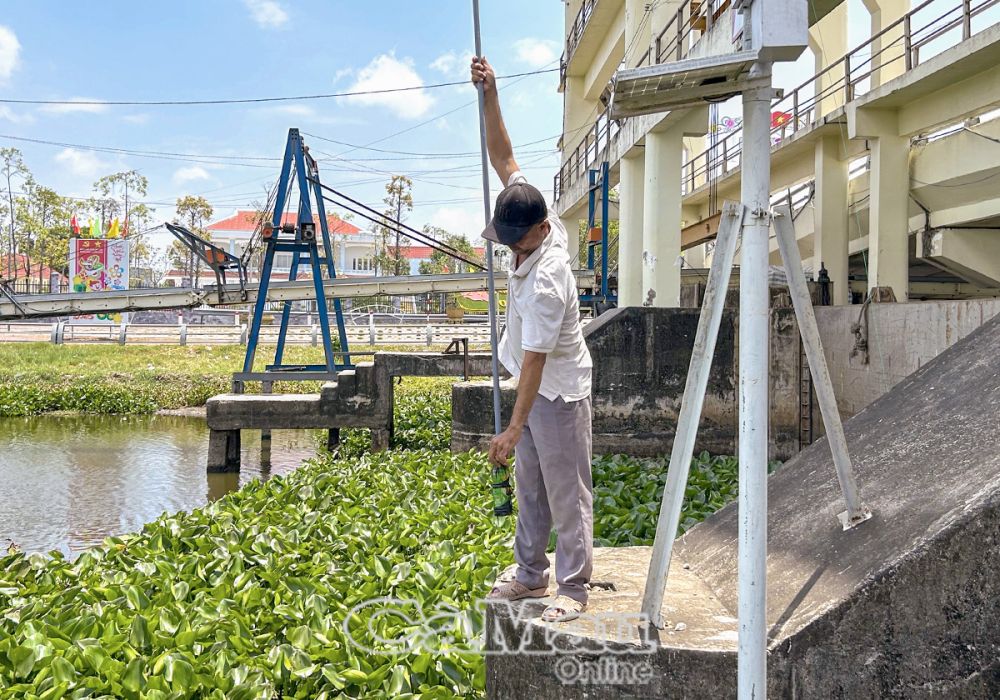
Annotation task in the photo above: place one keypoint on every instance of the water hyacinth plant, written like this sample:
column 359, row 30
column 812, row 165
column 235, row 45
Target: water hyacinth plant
column 252, row 596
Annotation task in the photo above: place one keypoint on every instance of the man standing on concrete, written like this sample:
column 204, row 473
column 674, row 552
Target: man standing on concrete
column 543, row 348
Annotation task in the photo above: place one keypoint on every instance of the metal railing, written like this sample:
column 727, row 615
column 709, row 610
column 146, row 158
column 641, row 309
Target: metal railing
column 671, row 42
column 575, row 34
column 909, row 40
column 595, row 146
column 855, row 72
column 675, row 39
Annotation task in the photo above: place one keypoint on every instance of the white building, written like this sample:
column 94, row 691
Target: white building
column 352, row 248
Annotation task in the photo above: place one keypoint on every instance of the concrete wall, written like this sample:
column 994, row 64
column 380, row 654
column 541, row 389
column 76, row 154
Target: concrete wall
column 641, row 357
column 902, row 338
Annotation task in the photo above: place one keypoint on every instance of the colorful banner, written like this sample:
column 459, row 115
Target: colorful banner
column 98, row 265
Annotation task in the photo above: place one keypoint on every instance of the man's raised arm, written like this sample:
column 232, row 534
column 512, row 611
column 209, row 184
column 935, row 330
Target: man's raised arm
column 497, row 140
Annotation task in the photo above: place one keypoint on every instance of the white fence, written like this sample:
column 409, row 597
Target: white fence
column 190, row 334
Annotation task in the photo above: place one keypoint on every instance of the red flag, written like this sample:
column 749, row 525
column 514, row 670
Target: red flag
column 74, row 226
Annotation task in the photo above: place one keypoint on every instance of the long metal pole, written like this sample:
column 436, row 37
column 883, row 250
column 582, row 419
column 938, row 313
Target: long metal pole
column 753, row 358
column 690, row 413
column 490, row 282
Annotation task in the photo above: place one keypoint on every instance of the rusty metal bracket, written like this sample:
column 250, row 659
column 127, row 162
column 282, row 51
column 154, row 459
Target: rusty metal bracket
column 460, row 346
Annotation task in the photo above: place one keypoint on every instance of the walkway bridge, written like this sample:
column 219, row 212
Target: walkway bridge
column 52, row 305
column 912, row 104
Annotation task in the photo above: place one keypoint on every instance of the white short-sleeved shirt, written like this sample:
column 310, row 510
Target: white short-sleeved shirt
column 543, row 315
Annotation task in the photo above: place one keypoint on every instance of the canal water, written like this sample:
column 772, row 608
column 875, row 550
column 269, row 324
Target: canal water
column 67, row 482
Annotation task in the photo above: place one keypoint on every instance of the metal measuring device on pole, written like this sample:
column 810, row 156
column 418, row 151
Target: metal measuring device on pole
column 762, row 32
column 500, row 476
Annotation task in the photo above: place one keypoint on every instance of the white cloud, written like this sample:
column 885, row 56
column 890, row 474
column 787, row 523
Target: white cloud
column 452, row 64
column 81, row 163
column 537, row 53
column 10, row 49
column 190, row 173
column 74, row 105
column 387, row 72
column 267, row 13
column 7, row 114
column 136, row 118
column 341, row 74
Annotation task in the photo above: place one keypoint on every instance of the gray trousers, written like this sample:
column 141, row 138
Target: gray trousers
column 554, row 487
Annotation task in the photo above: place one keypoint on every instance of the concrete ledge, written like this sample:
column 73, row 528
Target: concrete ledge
column 693, row 654
column 277, row 411
column 432, row 364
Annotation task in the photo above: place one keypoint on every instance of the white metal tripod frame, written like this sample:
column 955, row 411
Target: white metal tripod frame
column 784, row 230
column 733, row 216
column 690, row 413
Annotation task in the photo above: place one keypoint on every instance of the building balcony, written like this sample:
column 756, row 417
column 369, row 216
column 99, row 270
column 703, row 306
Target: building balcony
column 586, row 35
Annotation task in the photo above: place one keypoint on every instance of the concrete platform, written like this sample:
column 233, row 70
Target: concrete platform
column 905, row 605
column 361, row 397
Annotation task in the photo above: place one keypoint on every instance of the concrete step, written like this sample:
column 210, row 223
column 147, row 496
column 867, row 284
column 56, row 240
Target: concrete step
column 905, row 605
column 280, row 411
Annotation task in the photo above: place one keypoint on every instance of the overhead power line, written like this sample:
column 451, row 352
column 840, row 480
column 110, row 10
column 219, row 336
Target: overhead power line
column 252, row 100
column 394, row 225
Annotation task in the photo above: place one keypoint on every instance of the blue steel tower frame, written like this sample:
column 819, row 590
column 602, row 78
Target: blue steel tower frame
column 598, row 196
column 301, row 240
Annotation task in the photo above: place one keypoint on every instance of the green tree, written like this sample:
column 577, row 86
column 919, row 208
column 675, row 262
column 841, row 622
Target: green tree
column 441, row 263
column 13, row 174
column 194, row 212
column 117, row 195
column 42, row 228
column 121, row 190
column 389, row 253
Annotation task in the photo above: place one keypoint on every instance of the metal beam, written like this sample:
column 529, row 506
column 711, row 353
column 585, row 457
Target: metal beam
column 51, row 305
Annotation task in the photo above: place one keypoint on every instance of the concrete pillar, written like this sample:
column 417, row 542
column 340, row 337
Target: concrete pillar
column 830, row 233
column 636, row 31
column 889, row 188
column 572, row 226
column 661, row 220
column 886, row 64
column 630, row 206
column 828, row 42
column 888, row 234
column 223, row 450
column 578, row 112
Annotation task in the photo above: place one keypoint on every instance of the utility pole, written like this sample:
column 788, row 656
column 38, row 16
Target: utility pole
column 399, row 221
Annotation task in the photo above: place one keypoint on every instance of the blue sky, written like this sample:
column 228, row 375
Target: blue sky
column 224, row 49
column 186, row 49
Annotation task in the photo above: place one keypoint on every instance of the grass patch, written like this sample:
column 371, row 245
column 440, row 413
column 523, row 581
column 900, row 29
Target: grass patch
column 40, row 377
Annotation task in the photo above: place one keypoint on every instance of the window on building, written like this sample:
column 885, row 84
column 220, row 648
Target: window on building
column 283, row 261
column 362, row 264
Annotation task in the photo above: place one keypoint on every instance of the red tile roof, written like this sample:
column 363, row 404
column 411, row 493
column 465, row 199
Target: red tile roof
column 20, row 265
column 423, row 252
column 246, row 221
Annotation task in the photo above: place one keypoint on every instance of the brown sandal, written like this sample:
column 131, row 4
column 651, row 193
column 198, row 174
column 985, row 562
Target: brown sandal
column 515, row 590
